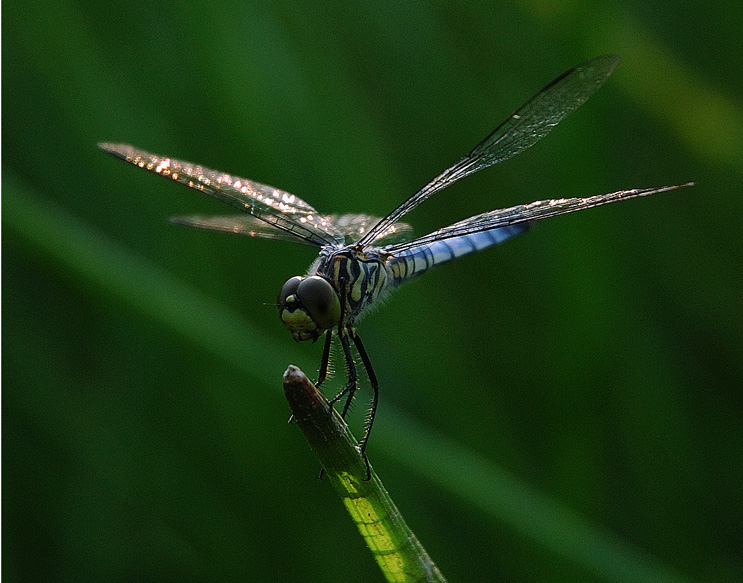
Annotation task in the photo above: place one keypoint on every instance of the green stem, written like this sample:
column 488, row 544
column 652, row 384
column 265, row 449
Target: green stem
column 396, row 549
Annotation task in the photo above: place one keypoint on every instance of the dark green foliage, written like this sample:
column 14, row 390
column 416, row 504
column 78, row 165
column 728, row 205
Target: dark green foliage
column 597, row 359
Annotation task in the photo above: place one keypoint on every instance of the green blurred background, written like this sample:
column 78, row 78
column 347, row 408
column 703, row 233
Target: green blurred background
column 566, row 407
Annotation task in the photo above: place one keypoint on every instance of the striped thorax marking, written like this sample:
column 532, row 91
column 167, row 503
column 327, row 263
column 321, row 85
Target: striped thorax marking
column 359, row 279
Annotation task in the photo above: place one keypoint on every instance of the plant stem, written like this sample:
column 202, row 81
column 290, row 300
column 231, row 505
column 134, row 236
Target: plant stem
column 396, row 549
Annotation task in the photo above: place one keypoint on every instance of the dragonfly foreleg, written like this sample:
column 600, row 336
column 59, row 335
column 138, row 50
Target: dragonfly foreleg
column 324, row 363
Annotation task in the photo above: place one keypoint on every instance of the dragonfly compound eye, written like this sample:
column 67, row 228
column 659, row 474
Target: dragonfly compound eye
column 308, row 306
column 288, row 289
column 320, row 301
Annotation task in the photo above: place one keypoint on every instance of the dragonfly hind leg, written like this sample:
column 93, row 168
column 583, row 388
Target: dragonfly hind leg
column 375, row 398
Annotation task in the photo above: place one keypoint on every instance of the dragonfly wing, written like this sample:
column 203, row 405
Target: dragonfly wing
column 239, row 225
column 275, row 207
column 529, row 124
column 354, row 227
column 528, row 213
column 350, row 226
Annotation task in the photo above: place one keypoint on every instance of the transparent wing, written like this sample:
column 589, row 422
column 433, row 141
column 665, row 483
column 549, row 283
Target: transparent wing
column 240, row 225
column 527, row 213
column 354, row 227
column 350, row 226
column 529, row 124
column 275, row 207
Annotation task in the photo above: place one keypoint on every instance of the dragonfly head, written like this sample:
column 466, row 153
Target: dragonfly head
column 308, row 306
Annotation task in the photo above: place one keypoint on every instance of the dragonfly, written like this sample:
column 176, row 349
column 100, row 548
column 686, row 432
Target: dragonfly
column 361, row 257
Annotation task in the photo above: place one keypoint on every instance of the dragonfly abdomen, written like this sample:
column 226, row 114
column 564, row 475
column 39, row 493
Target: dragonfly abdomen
column 413, row 262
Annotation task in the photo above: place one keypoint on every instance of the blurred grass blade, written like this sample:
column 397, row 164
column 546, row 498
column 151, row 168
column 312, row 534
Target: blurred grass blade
column 505, row 499
column 396, row 549
column 122, row 275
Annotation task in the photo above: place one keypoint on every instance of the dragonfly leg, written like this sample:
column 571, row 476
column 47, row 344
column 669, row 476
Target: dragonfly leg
column 323, row 373
column 343, row 331
column 350, row 390
column 375, row 398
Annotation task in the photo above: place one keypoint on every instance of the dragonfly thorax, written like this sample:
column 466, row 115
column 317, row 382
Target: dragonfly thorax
column 308, row 306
